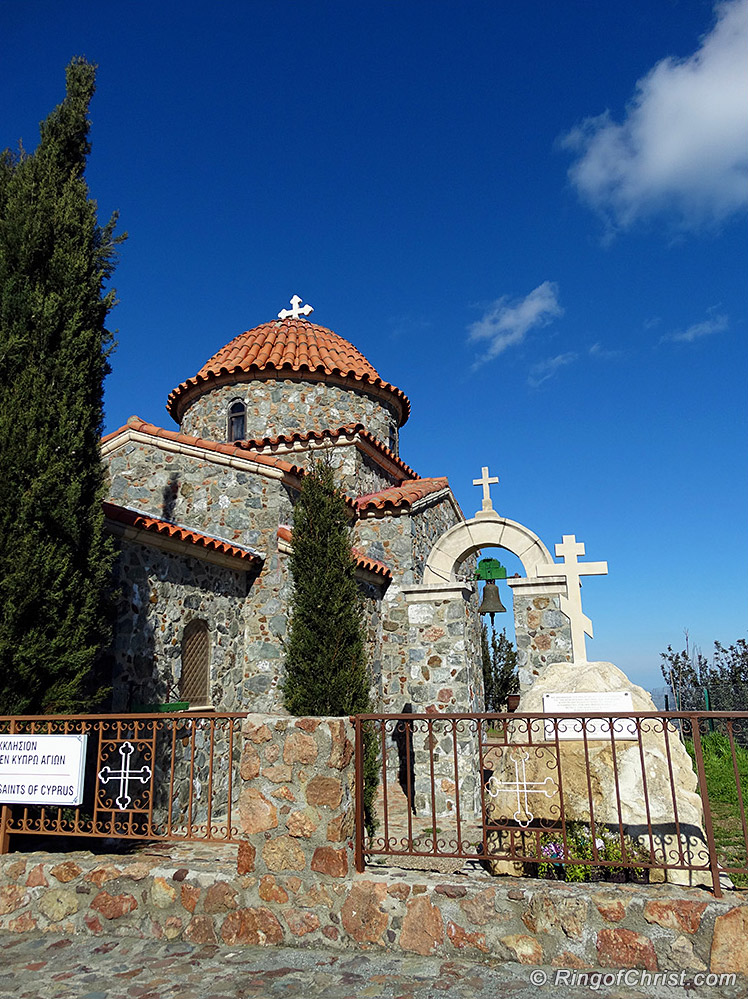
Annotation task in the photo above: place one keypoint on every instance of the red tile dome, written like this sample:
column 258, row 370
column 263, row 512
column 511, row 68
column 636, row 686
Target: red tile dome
column 282, row 347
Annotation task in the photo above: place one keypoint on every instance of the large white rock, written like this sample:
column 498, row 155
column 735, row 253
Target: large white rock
column 673, row 807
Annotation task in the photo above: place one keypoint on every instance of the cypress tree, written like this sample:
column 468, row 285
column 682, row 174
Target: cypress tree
column 499, row 661
column 325, row 650
column 55, row 560
column 325, row 655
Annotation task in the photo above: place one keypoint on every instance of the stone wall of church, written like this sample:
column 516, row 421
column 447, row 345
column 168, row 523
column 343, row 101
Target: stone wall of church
column 158, row 594
column 359, row 474
column 356, row 473
column 232, row 504
column 284, row 405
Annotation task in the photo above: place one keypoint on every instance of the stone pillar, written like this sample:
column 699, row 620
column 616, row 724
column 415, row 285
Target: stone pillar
column 446, row 678
column 542, row 632
column 296, row 801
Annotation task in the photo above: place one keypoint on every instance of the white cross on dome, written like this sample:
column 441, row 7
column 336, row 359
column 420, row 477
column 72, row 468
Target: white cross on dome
column 296, row 310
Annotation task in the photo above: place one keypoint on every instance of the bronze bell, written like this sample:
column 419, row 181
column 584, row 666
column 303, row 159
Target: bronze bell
column 491, row 602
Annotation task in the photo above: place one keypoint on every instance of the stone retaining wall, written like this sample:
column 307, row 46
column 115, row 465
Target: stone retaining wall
column 205, row 900
column 291, row 881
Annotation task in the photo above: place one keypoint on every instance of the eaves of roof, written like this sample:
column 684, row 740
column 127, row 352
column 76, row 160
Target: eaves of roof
column 140, row 431
column 134, row 525
column 405, row 496
column 351, row 433
column 363, row 562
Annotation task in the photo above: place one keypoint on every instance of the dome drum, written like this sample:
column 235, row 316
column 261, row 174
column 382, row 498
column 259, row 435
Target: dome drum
column 281, row 405
column 291, row 374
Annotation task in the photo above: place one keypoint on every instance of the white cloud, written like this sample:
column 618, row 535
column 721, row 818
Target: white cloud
column 683, row 145
column 604, row 353
column 717, row 324
column 506, row 323
column 544, row 370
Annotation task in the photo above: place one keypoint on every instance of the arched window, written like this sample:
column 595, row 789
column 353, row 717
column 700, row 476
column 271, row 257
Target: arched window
column 393, row 439
column 237, row 420
column 194, row 684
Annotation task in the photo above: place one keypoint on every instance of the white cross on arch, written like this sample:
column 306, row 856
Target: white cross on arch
column 571, row 604
column 486, row 482
column 296, row 310
column 125, row 775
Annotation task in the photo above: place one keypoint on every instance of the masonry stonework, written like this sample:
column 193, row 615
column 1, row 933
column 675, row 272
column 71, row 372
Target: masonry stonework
column 159, row 595
column 543, row 634
column 284, row 405
column 290, row 881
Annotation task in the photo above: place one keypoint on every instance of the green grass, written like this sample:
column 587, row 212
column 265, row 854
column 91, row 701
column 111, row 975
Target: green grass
column 723, row 798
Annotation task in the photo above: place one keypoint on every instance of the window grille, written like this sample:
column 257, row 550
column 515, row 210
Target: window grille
column 194, row 684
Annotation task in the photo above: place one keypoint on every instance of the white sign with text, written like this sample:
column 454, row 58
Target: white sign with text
column 614, row 702
column 42, row 769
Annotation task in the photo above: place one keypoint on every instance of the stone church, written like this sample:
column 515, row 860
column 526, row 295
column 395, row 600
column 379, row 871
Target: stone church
column 203, row 517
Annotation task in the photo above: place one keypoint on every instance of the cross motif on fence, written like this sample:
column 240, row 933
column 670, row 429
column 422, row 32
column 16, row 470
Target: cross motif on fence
column 125, row 775
column 521, row 788
column 296, row 309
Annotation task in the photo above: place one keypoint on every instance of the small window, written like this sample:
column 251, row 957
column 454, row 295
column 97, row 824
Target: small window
column 194, row 684
column 393, row 440
column 237, row 421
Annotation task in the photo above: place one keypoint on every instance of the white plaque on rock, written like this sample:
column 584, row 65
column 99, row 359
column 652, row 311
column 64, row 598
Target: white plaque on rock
column 614, row 702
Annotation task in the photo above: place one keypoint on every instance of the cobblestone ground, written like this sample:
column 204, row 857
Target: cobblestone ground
column 58, row 967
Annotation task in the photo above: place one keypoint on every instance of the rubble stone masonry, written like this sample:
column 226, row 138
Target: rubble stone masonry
column 282, row 405
column 291, row 881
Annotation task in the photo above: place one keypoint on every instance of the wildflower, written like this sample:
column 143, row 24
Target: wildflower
column 554, row 851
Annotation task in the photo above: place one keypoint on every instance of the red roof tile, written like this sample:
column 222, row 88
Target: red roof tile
column 403, row 495
column 349, row 430
column 288, row 345
column 239, row 449
column 144, row 522
column 362, row 560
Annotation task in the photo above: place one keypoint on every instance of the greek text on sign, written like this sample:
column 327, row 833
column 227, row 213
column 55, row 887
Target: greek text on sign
column 42, row 769
column 614, row 702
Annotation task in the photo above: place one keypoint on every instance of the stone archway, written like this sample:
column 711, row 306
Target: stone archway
column 542, row 631
column 486, row 530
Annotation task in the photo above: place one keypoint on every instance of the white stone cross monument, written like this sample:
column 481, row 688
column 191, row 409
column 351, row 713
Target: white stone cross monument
column 486, row 482
column 571, row 604
column 296, row 309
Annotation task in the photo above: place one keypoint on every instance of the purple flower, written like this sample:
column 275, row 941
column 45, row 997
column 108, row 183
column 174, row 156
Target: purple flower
column 554, row 851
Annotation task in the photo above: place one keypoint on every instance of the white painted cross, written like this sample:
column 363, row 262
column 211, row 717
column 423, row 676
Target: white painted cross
column 521, row 788
column 571, row 604
column 486, row 482
column 295, row 311
column 125, row 775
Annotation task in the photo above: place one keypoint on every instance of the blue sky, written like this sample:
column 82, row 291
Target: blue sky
column 530, row 217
